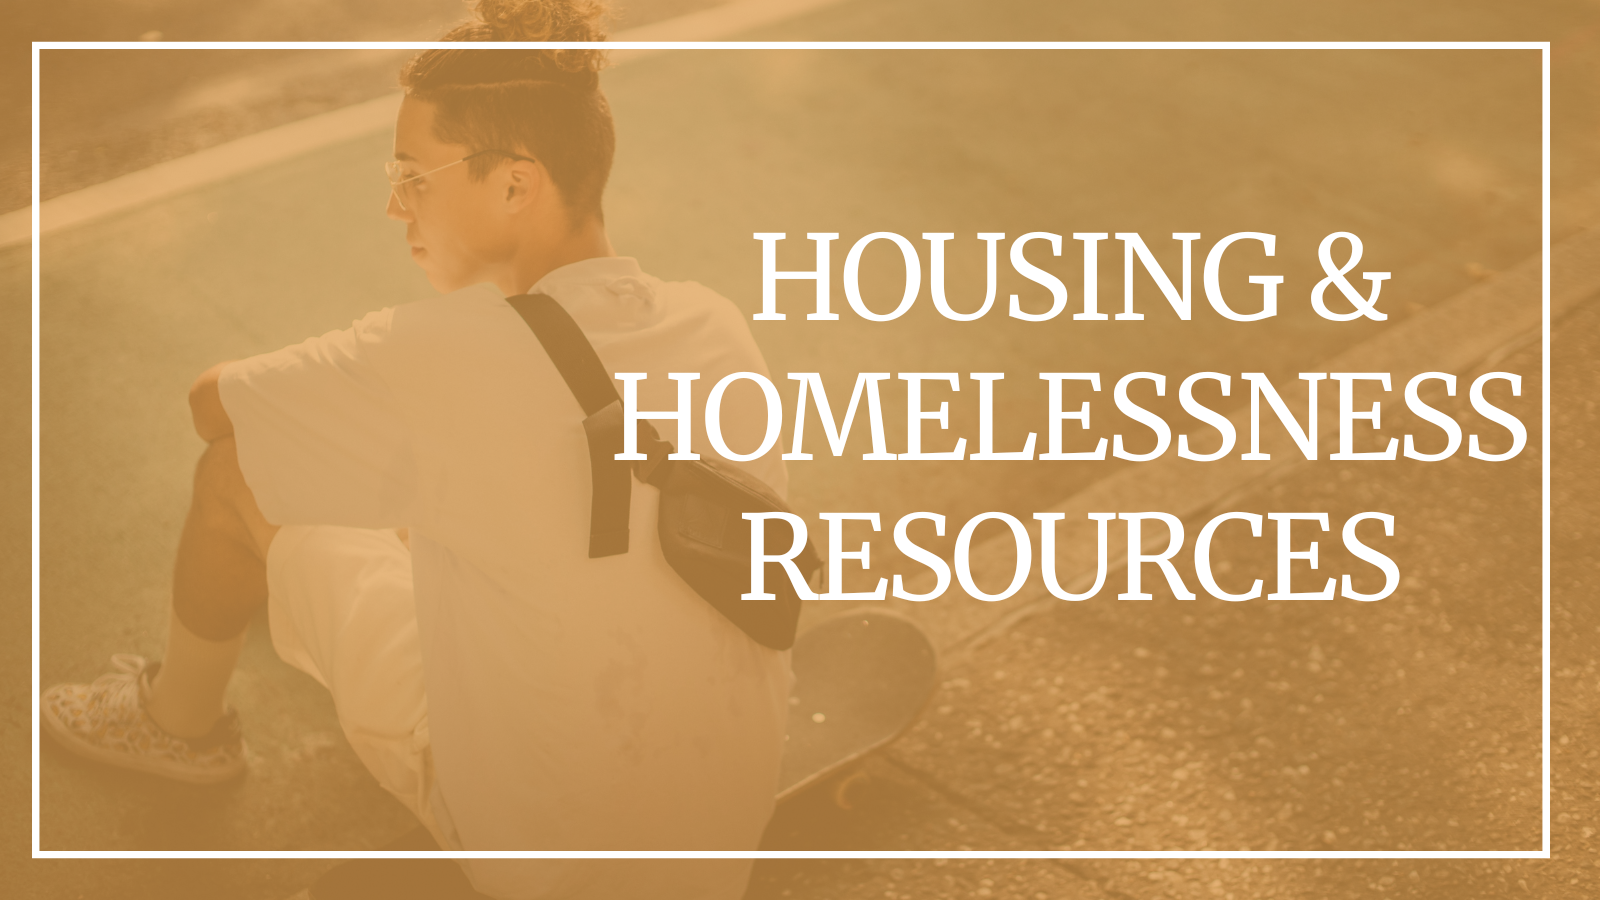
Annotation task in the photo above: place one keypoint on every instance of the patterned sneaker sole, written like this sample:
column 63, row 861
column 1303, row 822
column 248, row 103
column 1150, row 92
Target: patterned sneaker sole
column 70, row 741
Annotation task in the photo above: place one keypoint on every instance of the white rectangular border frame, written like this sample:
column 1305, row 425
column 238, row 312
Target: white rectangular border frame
column 651, row 46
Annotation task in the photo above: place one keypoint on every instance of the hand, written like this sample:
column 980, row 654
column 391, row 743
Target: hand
column 211, row 420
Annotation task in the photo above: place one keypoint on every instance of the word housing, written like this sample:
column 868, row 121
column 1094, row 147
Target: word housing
column 1179, row 295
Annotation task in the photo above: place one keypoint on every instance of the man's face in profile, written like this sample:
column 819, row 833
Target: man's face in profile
column 457, row 229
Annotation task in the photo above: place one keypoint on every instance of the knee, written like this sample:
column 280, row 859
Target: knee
column 224, row 500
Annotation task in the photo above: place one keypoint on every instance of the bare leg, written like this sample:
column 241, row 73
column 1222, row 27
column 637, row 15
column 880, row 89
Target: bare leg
column 219, row 581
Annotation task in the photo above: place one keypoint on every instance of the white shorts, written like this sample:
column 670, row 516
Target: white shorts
column 340, row 606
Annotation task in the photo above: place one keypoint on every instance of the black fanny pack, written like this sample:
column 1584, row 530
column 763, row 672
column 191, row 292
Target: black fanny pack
column 701, row 524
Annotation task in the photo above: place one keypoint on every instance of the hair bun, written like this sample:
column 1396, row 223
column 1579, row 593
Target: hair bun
column 543, row 20
column 533, row 21
column 547, row 20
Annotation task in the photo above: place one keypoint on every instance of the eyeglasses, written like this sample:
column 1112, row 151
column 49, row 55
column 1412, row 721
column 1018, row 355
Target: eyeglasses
column 400, row 184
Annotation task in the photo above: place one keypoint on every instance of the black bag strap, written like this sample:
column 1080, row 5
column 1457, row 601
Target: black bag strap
column 611, row 479
column 569, row 349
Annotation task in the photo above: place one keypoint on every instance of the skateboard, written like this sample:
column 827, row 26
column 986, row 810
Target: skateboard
column 860, row 681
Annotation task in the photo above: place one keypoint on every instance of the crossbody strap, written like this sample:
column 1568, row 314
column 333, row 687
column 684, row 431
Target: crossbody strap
column 569, row 349
column 611, row 479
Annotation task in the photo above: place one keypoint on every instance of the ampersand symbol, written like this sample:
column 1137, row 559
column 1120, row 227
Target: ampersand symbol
column 1364, row 306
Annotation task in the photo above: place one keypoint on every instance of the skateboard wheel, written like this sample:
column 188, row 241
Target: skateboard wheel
column 842, row 789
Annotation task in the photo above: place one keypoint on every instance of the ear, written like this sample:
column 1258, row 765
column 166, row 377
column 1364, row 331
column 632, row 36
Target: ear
column 524, row 182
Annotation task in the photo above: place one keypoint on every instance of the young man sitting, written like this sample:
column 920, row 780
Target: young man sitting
column 408, row 499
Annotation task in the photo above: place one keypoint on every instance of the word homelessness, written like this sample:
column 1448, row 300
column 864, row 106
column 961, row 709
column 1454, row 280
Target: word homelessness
column 1442, row 430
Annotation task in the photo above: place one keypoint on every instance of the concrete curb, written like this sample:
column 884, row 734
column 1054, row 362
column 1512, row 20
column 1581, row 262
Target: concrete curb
column 1452, row 336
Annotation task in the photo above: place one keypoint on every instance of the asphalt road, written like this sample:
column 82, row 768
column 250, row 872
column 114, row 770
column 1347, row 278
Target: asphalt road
column 105, row 114
column 1411, row 722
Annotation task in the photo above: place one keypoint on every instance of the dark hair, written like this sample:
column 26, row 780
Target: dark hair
column 547, row 103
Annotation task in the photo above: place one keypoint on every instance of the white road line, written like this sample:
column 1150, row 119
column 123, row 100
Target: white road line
column 199, row 169
column 264, row 148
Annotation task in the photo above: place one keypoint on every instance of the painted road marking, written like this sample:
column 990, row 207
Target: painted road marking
column 264, row 148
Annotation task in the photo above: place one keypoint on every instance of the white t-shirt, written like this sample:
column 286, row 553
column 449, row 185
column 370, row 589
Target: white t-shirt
column 574, row 703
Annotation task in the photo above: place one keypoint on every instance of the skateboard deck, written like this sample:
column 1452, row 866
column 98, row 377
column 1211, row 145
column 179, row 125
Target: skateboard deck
column 860, row 680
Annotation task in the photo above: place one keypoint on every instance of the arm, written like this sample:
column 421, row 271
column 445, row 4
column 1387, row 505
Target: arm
column 211, row 420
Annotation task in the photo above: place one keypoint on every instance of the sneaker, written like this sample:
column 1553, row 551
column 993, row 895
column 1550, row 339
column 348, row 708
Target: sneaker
column 106, row 722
